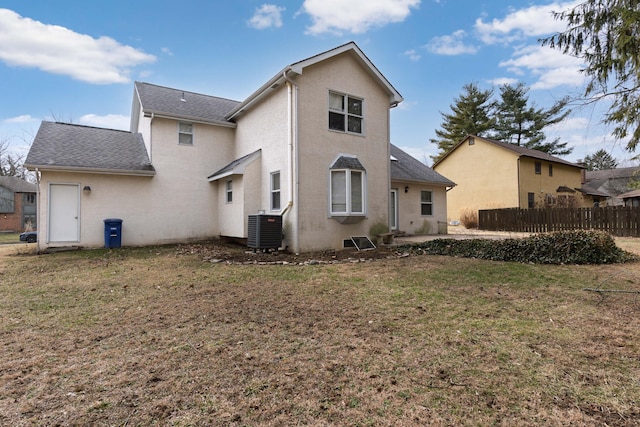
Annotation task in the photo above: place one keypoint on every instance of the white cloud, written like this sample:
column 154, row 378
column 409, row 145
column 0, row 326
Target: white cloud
column 534, row 21
column 167, row 51
column 54, row 49
column 25, row 118
column 110, row 121
column 500, row 81
column 552, row 67
column 355, row 16
column 412, row 55
column 267, row 16
column 451, row 45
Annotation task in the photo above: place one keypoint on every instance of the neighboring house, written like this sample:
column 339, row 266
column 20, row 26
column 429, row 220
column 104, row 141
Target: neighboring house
column 613, row 182
column 17, row 204
column 631, row 199
column 491, row 174
column 311, row 144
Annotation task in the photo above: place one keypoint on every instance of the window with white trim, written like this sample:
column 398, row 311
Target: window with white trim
column 345, row 113
column 426, row 203
column 229, row 191
column 185, row 133
column 275, row 191
column 348, row 192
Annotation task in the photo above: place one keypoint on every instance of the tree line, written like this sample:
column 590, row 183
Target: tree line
column 511, row 118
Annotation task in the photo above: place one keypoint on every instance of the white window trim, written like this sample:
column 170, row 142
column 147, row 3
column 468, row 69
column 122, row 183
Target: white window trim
column 346, row 113
column 273, row 191
column 348, row 211
column 181, row 132
column 426, row 203
column 228, row 191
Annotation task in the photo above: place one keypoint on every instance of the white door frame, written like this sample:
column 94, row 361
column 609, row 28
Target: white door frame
column 63, row 216
column 393, row 209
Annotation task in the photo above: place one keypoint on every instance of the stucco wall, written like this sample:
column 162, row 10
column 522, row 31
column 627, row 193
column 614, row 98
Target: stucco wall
column 543, row 184
column 176, row 204
column 319, row 147
column 486, row 176
column 410, row 218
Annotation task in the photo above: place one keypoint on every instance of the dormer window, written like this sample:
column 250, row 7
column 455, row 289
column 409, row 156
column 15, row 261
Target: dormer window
column 345, row 113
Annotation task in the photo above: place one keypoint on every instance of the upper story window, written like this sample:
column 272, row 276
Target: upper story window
column 550, row 169
column 229, row 191
column 538, row 168
column 426, row 203
column 275, row 191
column 185, row 133
column 345, row 113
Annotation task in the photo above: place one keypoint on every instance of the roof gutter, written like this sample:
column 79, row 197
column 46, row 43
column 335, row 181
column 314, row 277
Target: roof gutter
column 91, row 170
column 259, row 94
column 192, row 119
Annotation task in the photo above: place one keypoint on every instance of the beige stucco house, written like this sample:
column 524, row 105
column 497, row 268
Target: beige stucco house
column 311, row 146
column 491, row 174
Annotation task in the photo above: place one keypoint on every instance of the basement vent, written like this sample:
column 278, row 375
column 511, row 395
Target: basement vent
column 361, row 243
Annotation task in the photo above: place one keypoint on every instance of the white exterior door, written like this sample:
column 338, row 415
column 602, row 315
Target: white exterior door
column 393, row 210
column 64, row 213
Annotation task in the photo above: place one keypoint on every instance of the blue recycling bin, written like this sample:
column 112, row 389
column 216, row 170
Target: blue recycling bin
column 112, row 233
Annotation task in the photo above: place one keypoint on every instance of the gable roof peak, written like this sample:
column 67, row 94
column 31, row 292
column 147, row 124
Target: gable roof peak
column 298, row 67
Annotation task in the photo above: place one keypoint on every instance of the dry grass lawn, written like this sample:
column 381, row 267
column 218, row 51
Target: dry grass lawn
column 157, row 336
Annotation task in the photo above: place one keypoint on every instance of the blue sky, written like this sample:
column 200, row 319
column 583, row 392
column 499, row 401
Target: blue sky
column 76, row 61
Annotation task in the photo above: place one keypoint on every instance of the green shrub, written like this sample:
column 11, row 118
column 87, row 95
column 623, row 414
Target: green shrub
column 564, row 247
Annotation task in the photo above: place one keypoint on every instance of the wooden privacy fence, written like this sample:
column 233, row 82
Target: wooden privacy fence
column 616, row 220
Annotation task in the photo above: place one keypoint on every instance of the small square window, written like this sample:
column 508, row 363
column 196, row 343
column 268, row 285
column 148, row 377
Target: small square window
column 345, row 113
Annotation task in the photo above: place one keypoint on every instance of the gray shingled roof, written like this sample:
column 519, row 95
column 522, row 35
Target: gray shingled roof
column 408, row 168
column 346, row 162
column 67, row 146
column 229, row 169
column 182, row 104
column 17, row 185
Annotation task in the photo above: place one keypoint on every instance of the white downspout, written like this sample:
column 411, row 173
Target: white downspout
column 292, row 140
column 38, row 220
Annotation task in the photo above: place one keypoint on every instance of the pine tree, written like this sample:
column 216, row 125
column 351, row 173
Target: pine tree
column 606, row 35
column 470, row 115
column 521, row 123
column 600, row 160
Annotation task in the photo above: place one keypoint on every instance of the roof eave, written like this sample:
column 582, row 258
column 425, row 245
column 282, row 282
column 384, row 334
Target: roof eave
column 192, row 119
column 77, row 169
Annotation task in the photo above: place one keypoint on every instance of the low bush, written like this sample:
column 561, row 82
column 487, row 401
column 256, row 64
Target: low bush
column 469, row 218
column 564, row 247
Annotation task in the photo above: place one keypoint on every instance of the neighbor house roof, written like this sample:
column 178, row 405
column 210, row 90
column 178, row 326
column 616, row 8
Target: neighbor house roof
column 297, row 68
column 407, row 168
column 630, row 194
column 17, row 185
column 518, row 150
column 68, row 147
column 174, row 103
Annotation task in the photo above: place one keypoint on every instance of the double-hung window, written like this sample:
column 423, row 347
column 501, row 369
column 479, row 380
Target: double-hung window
column 426, row 203
column 275, row 191
column 185, row 133
column 345, row 113
column 229, row 191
